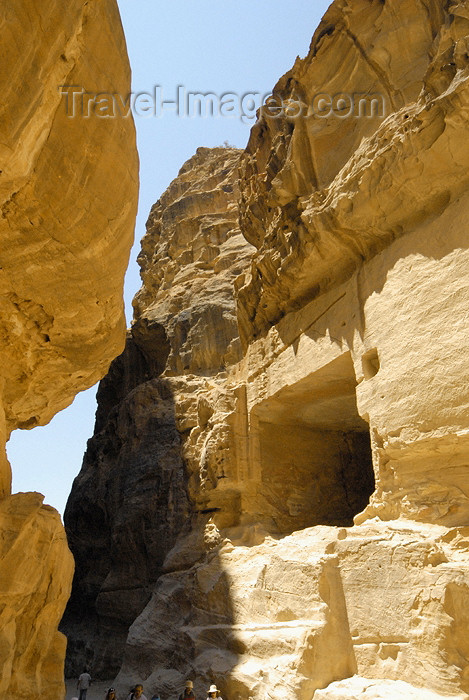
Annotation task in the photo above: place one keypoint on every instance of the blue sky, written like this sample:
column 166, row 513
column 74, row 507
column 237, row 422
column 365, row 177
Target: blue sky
column 219, row 46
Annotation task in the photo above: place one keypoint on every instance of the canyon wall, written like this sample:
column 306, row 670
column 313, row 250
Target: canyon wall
column 68, row 189
column 140, row 484
column 319, row 548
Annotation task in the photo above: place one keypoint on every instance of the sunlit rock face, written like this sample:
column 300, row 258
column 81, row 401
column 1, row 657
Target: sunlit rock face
column 327, row 462
column 35, row 579
column 362, row 245
column 139, row 487
column 68, row 191
column 322, row 194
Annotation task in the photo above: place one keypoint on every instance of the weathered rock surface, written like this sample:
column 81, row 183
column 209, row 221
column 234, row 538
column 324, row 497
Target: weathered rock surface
column 357, row 688
column 68, row 195
column 35, row 580
column 192, row 252
column 327, row 467
column 321, row 195
column 135, row 491
column 68, row 191
column 289, row 615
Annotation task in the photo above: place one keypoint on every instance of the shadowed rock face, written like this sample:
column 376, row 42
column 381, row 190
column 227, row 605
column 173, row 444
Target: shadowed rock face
column 68, row 196
column 327, row 463
column 129, row 504
column 132, row 497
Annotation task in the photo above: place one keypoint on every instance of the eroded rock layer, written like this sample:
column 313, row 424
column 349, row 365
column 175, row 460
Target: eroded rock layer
column 321, row 194
column 327, row 467
column 68, row 192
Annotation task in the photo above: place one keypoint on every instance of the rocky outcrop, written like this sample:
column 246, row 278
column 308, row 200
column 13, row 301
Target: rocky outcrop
column 327, row 464
column 140, row 493
column 68, row 190
column 35, row 580
column 383, row 602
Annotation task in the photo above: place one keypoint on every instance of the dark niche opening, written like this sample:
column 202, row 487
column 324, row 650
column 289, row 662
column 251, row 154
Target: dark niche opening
column 314, row 451
column 370, row 363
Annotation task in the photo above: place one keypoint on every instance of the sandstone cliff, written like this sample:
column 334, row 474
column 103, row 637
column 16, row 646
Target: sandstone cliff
column 135, row 495
column 326, row 468
column 68, row 190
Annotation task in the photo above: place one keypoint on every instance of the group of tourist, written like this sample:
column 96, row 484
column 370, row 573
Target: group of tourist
column 136, row 693
column 188, row 692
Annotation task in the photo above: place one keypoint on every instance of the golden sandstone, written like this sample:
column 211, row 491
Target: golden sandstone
column 280, row 459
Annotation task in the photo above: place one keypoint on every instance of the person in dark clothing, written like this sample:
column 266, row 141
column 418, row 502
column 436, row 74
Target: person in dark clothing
column 188, row 692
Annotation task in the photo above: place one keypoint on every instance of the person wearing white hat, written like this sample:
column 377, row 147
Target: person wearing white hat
column 188, row 692
column 213, row 692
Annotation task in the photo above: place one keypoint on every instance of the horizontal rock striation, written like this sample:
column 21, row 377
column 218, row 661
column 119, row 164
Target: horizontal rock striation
column 68, row 195
column 191, row 253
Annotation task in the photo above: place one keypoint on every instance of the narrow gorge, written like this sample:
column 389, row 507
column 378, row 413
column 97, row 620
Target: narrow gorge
column 275, row 498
